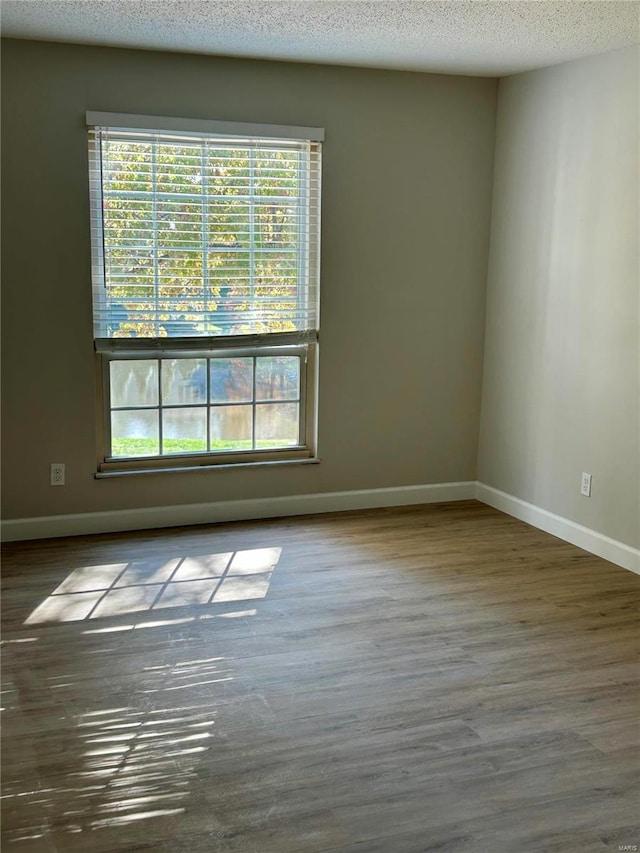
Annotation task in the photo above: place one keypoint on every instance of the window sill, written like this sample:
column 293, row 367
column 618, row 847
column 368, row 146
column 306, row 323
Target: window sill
column 187, row 469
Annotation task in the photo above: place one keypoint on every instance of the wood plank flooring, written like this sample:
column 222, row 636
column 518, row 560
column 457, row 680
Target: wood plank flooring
column 429, row 678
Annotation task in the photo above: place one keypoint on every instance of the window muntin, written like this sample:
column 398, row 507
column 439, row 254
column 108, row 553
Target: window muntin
column 205, row 260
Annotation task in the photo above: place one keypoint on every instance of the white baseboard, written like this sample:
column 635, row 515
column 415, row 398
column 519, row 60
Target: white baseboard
column 79, row 524
column 46, row 527
column 584, row 537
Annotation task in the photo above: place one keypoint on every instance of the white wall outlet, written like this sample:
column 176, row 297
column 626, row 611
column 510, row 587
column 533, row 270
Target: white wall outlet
column 585, row 485
column 57, row 474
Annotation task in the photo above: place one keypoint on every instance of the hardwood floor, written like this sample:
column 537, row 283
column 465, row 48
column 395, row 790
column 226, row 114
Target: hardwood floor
column 434, row 678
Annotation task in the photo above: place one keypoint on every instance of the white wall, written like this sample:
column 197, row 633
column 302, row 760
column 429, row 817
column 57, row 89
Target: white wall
column 561, row 382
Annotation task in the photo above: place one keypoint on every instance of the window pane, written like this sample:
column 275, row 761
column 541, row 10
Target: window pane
column 229, row 292
column 180, row 169
column 134, row 383
column 276, row 173
column 184, row 430
column 231, row 380
column 278, row 378
column 276, row 276
column 131, row 316
column 228, row 171
column 231, row 428
column 277, row 424
column 181, row 292
column 135, row 433
column 277, row 225
column 127, row 223
column 126, row 166
column 179, row 225
column 184, row 380
column 228, row 223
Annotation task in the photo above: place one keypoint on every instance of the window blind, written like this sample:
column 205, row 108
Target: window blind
column 203, row 234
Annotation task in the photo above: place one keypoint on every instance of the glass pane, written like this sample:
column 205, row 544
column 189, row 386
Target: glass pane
column 228, row 172
column 231, row 428
column 277, row 225
column 179, row 225
column 229, row 302
column 231, row 380
column 277, row 425
column 181, row 308
column 184, row 380
column 184, row 430
column 128, row 269
column 278, row 377
column 180, row 170
column 228, row 223
column 277, row 277
column 276, row 173
column 135, row 433
column 134, row 383
column 132, row 316
column 126, row 166
column 128, row 223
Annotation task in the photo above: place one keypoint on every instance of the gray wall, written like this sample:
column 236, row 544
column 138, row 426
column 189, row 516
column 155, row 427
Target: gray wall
column 561, row 371
column 406, row 210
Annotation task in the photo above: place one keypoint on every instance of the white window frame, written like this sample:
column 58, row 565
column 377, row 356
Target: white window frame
column 303, row 345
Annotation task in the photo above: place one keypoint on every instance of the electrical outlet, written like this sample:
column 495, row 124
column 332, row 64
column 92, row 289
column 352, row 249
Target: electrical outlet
column 585, row 487
column 56, row 474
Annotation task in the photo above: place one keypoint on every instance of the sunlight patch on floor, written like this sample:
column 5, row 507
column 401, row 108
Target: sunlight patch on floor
column 94, row 592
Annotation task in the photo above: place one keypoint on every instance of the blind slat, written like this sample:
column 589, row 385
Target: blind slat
column 138, row 346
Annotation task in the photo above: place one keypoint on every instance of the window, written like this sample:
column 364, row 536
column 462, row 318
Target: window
column 205, row 267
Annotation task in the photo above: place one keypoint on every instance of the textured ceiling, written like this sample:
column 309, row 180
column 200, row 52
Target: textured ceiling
column 456, row 36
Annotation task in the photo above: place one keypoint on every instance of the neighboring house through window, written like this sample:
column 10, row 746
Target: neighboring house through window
column 205, row 259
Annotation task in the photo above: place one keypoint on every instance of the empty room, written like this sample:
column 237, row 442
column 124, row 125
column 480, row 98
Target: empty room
column 321, row 435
